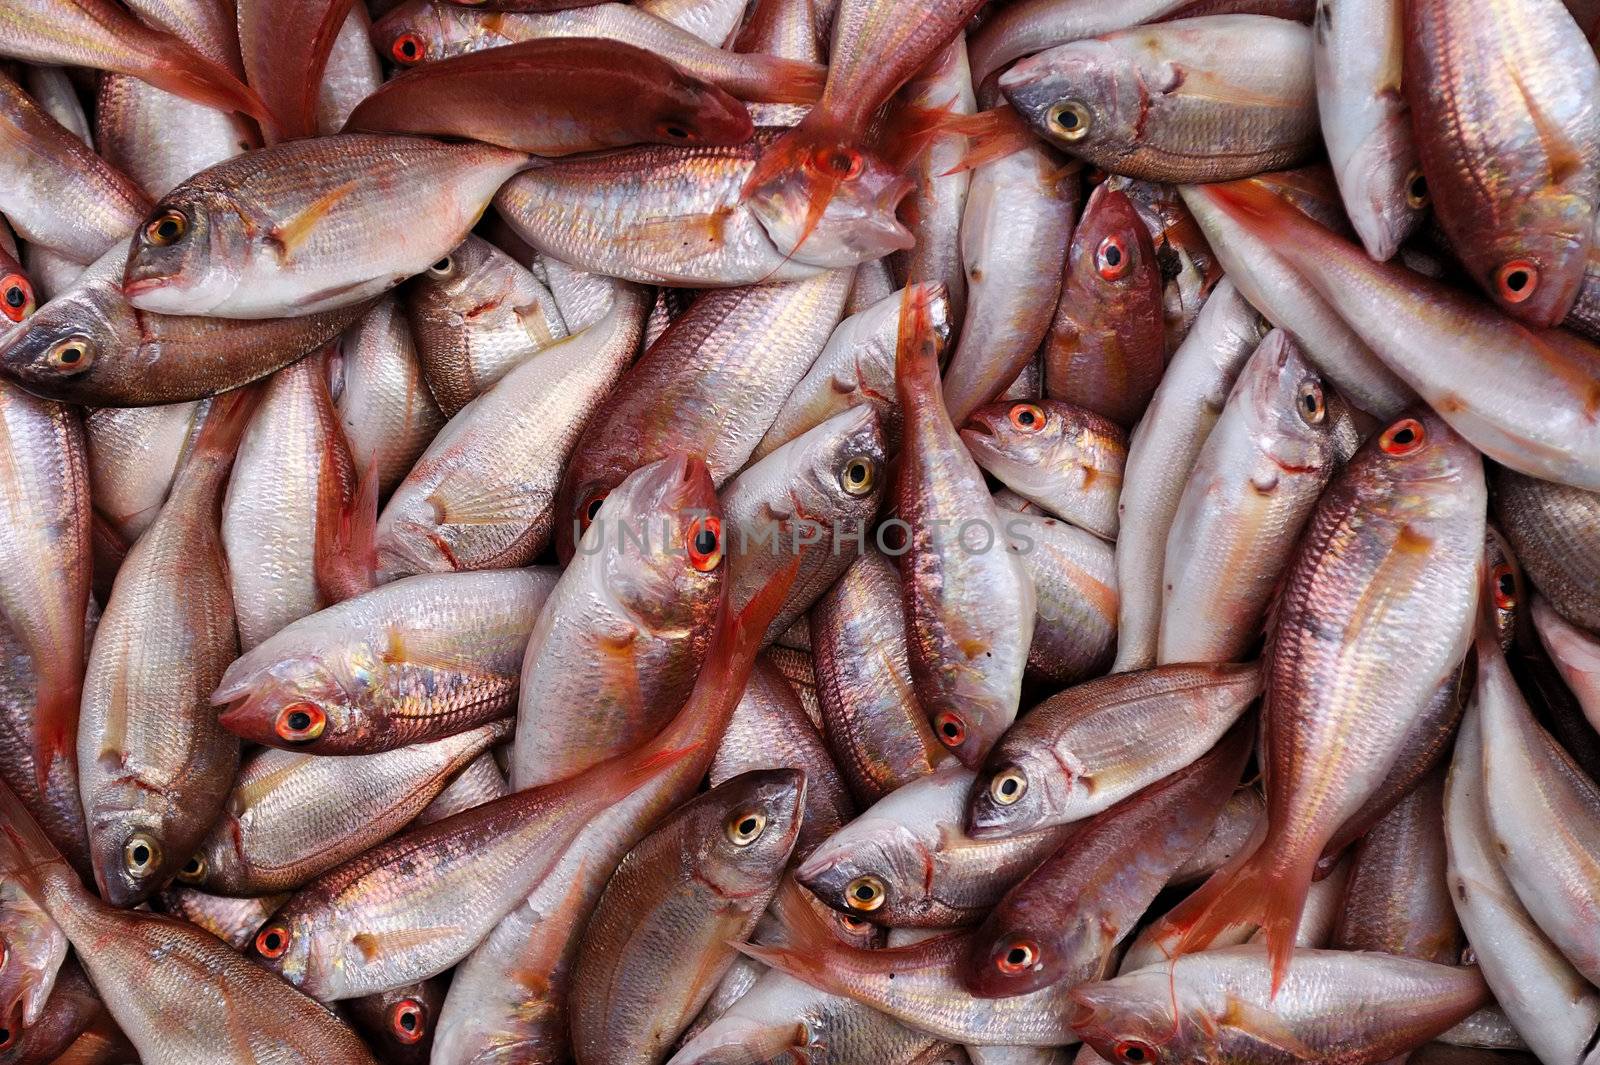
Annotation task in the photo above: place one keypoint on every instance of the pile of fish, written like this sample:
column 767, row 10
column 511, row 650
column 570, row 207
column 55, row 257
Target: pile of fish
column 854, row 532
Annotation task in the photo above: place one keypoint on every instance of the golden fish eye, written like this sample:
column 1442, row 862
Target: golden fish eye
column 1310, row 402
column 858, row 476
column 745, row 828
column 1416, row 190
column 1069, row 120
column 1007, row 787
column 141, row 855
column 166, row 228
column 865, row 893
column 193, row 871
column 72, row 355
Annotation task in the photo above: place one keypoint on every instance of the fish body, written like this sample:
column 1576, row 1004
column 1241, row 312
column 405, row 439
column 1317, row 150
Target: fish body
column 385, row 407
column 1550, row 526
column 1066, row 459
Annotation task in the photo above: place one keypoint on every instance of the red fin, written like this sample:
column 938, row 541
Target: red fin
column 285, row 62
column 795, row 157
column 1258, row 210
column 809, row 946
column 992, row 134
column 180, row 69
column 1262, row 890
column 25, row 850
column 226, row 422
column 918, row 347
column 788, row 81
column 346, row 552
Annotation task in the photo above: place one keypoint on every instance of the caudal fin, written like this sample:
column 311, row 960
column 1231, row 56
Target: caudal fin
column 991, row 135
column 1262, row 890
column 55, row 719
column 26, row 853
column 807, row 947
column 917, row 348
column 783, row 81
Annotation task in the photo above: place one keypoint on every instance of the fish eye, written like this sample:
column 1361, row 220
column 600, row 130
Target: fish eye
column 591, row 508
column 166, row 228
column 1403, row 437
column 674, row 131
column 1111, row 259
column 408, row 1021
column 443, row 268
column 1517, row 280
column 1069, row 119
column 141, row 855
column 865, row 893
column 1416, row 190
column 705, row 544
column 858, row 476
column 300, row 722
column 1505, row 586
column 272, row 941
column 1008, row 786
column 193, row 870
column 7, row 1037
column 950, row 728
column 15, row 295
column 71, row 356
column 837, row 162
column 1310, row 402
column 1019, row 956
column 745, row 828
column 1028, row 417
column 1135, row 1052
column 408, row 48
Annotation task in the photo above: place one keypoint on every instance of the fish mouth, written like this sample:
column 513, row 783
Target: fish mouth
column 140, row 285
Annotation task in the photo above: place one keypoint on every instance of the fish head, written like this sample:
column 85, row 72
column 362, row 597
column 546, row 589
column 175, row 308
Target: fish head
column 1382, row 214
column 297, row 702
column 826, row 203
column 291, row 944
column 874, row 869
column 733, row 1039
column 1016, row 791
column 76, row 343
column 660, row 540
column 130, row 840
column 1032, row 444
column 1533, row 265
column 744, row 830
column 1078, row 96
column 688, row 111
column 833, row 474
column 190, row 253
column 32, row 946
column 1018, row 956
column 1419, row 469
column 414, row 32
column 1505, row 593
column 1295, row 414
column 1130, row 1020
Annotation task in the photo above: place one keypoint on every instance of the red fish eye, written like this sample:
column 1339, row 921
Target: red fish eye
column 1403, row 437
column 300, row 722
column 1505, row 587
column 407, row 1021
column 15, row 295
column 1135, row 1052
column 952, row 731
column 1517, row 280
column 272, row 941
column 841, row 163
column 1111, row 258
column 1019, row 956
column 408, row 48
column 1027, row 417
column 705, row 544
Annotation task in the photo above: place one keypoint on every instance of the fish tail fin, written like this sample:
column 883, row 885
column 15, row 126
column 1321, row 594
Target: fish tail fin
column 226, row 422
column 788, row 81
column 808, row 947
column 1262, row 890
column 918, row 346
column 180, row 69
column 303, row 123
column 992, row 134
column 346, row 551
column 26, row 852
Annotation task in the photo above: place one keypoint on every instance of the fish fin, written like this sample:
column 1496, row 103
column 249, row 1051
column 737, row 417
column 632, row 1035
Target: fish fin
column 917, row 349
column 303, row 123
column 1562, row 156
column 226, row 422
column 992, row 134
column 1262, row 890
column 293, row 231
column 372, row 945
column 346, row 551
column 179, row 69
column 786, row 81
column 1265, row 1027
column 500, row 504
column 26, row 852
column 429, row 651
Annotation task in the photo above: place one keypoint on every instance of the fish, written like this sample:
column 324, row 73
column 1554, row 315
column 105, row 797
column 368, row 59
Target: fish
column 1075, row 592
column 880, row 738
column 1091, row 746
column 1177, row 101
column 1576, row 655
column 1222, row 1004
column 52, row 89
column 73, row 1010
column 134, row 124
column 154, row 766
column 1390, row 559
column 907, row 863
column 789, row 29
column 810, row 500
column 612, row 95
column 234, row 921
column 17, row 298
column 1161, row 453
column 1234, row 825
column 291, row 497
column 684, row 218
column 480, row 782
column 35, row 948
column 102, row 35
column 415, row 660
column 486, row 492
column 696, row 882
column 1061, row 923
column 385, row 407
column 1527, row 399
column 1540, row 991
column 713, row 21
column 1107, row 344
column 616, row 649
column 1510, row 165
column 1015, row 231
column 1067, row 459
column 1541, row 807
column 1253, row 488
column 425, row 31
column 285, row 49
column 969, row 609
column 711, row 385
column 401, row 1021
column 292, row 816
column 55, row 191
column 134, row 453
column 856, row 367
column 302, row 227
column 351, row 74
column 130, row 956
column 1357, row 55
column 1549, row 526
column 1189, row 268
column 90, row 346
column 771, row 730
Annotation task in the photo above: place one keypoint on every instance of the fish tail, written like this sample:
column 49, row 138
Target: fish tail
column 346, row 551
column 991, row 135
column 226, row 422
column 1263, row 890
column 789, row 81
column 56, row 730
column 918, row 346
column 178, row 68
column 303, row 123
column 808, row 949
column 634, row 771
column 26, row 853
